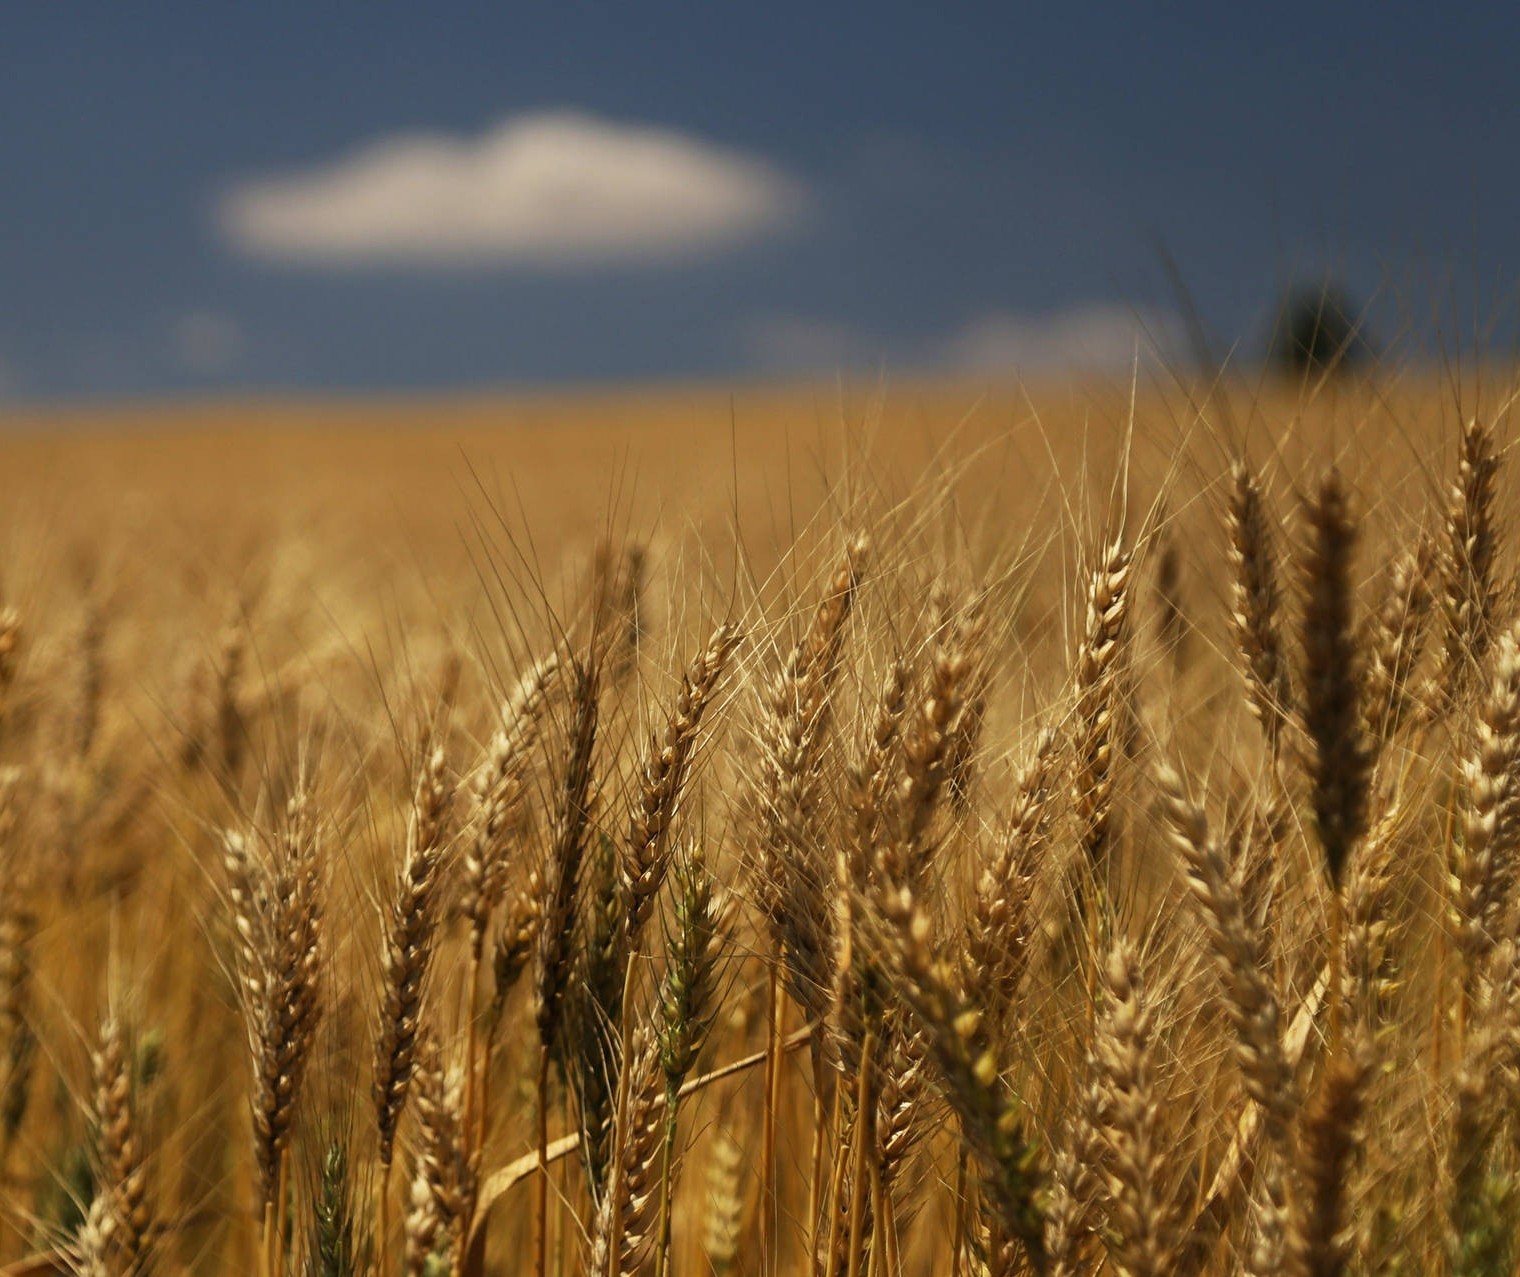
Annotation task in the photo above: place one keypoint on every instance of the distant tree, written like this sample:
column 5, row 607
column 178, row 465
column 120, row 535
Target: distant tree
column 1318, row 331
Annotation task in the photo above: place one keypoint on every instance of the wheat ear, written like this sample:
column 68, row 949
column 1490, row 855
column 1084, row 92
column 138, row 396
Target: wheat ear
column 790, row 873
column 1240, row 956
column 18, row 930
column 408, row 955
column 1123, row 1050
column 1001, row 923
column 1483, row 861
column 970, row 1069
column 788, row 870
column 10, row 654
column 1255, row 605
column 1099, row 694
column 124, row 1187
column 1400, row 629
column 1468, row 597
column 930, row 734
column 1340, row 760
column 334, row 1249
column 626, row 1215
column 498, row 790
column 275, row 888
column 559, row 892
column 687, row 995
column 662, row 776
column 1317, row 1243
column 442, row 1191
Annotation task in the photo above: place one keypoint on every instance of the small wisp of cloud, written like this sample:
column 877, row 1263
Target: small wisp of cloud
column 206, row 342
column 549, row 190
column 1101, row 337
column 1098, row 337
column 779, row 343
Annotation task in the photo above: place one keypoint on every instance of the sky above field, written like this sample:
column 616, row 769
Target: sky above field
column 297, row 196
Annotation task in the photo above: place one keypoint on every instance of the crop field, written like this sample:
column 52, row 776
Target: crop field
column 920, row 829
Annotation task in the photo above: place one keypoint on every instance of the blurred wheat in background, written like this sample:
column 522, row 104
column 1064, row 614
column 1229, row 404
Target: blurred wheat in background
column 931, row 834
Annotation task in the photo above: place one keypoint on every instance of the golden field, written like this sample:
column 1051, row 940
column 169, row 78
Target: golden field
column 924, row 829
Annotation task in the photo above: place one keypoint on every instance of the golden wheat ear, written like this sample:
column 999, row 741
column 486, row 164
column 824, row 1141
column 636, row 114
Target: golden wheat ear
column 10, row 654
column 935, row 725
column 1256, row 606
column 1469, row 596
column 125, row 1218
column 441, row 1194
column 276, row 890
column 1127, row 1105
column 498, row 793
column 1318, row 1245
column 970, row 1067
column 1340, row 755
column 1483, row 867
column 411, row 923
column 1001, row 925
column 18, row 937
column 1398, row 635
column 559, row 896
column 1240, row 955
column 663, row 773
column 1099, row 679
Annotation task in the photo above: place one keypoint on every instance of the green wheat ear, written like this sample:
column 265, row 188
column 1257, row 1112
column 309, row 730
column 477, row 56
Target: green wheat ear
column 333, row 1248
column 150, row 1057
column 62, row 1209
column 1483, row 1238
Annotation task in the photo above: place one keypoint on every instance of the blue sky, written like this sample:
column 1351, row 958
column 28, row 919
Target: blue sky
column 289, row 196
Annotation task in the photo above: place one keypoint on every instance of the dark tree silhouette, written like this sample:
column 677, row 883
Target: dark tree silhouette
column 1318, row 331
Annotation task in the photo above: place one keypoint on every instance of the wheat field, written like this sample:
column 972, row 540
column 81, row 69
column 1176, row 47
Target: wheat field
column 918, row 829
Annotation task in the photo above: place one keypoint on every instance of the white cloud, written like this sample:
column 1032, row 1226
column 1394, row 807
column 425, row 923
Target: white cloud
column 797, row 343
column 1091, row 338
column 206, row 342
column 1100, row 337
column 548, row 189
